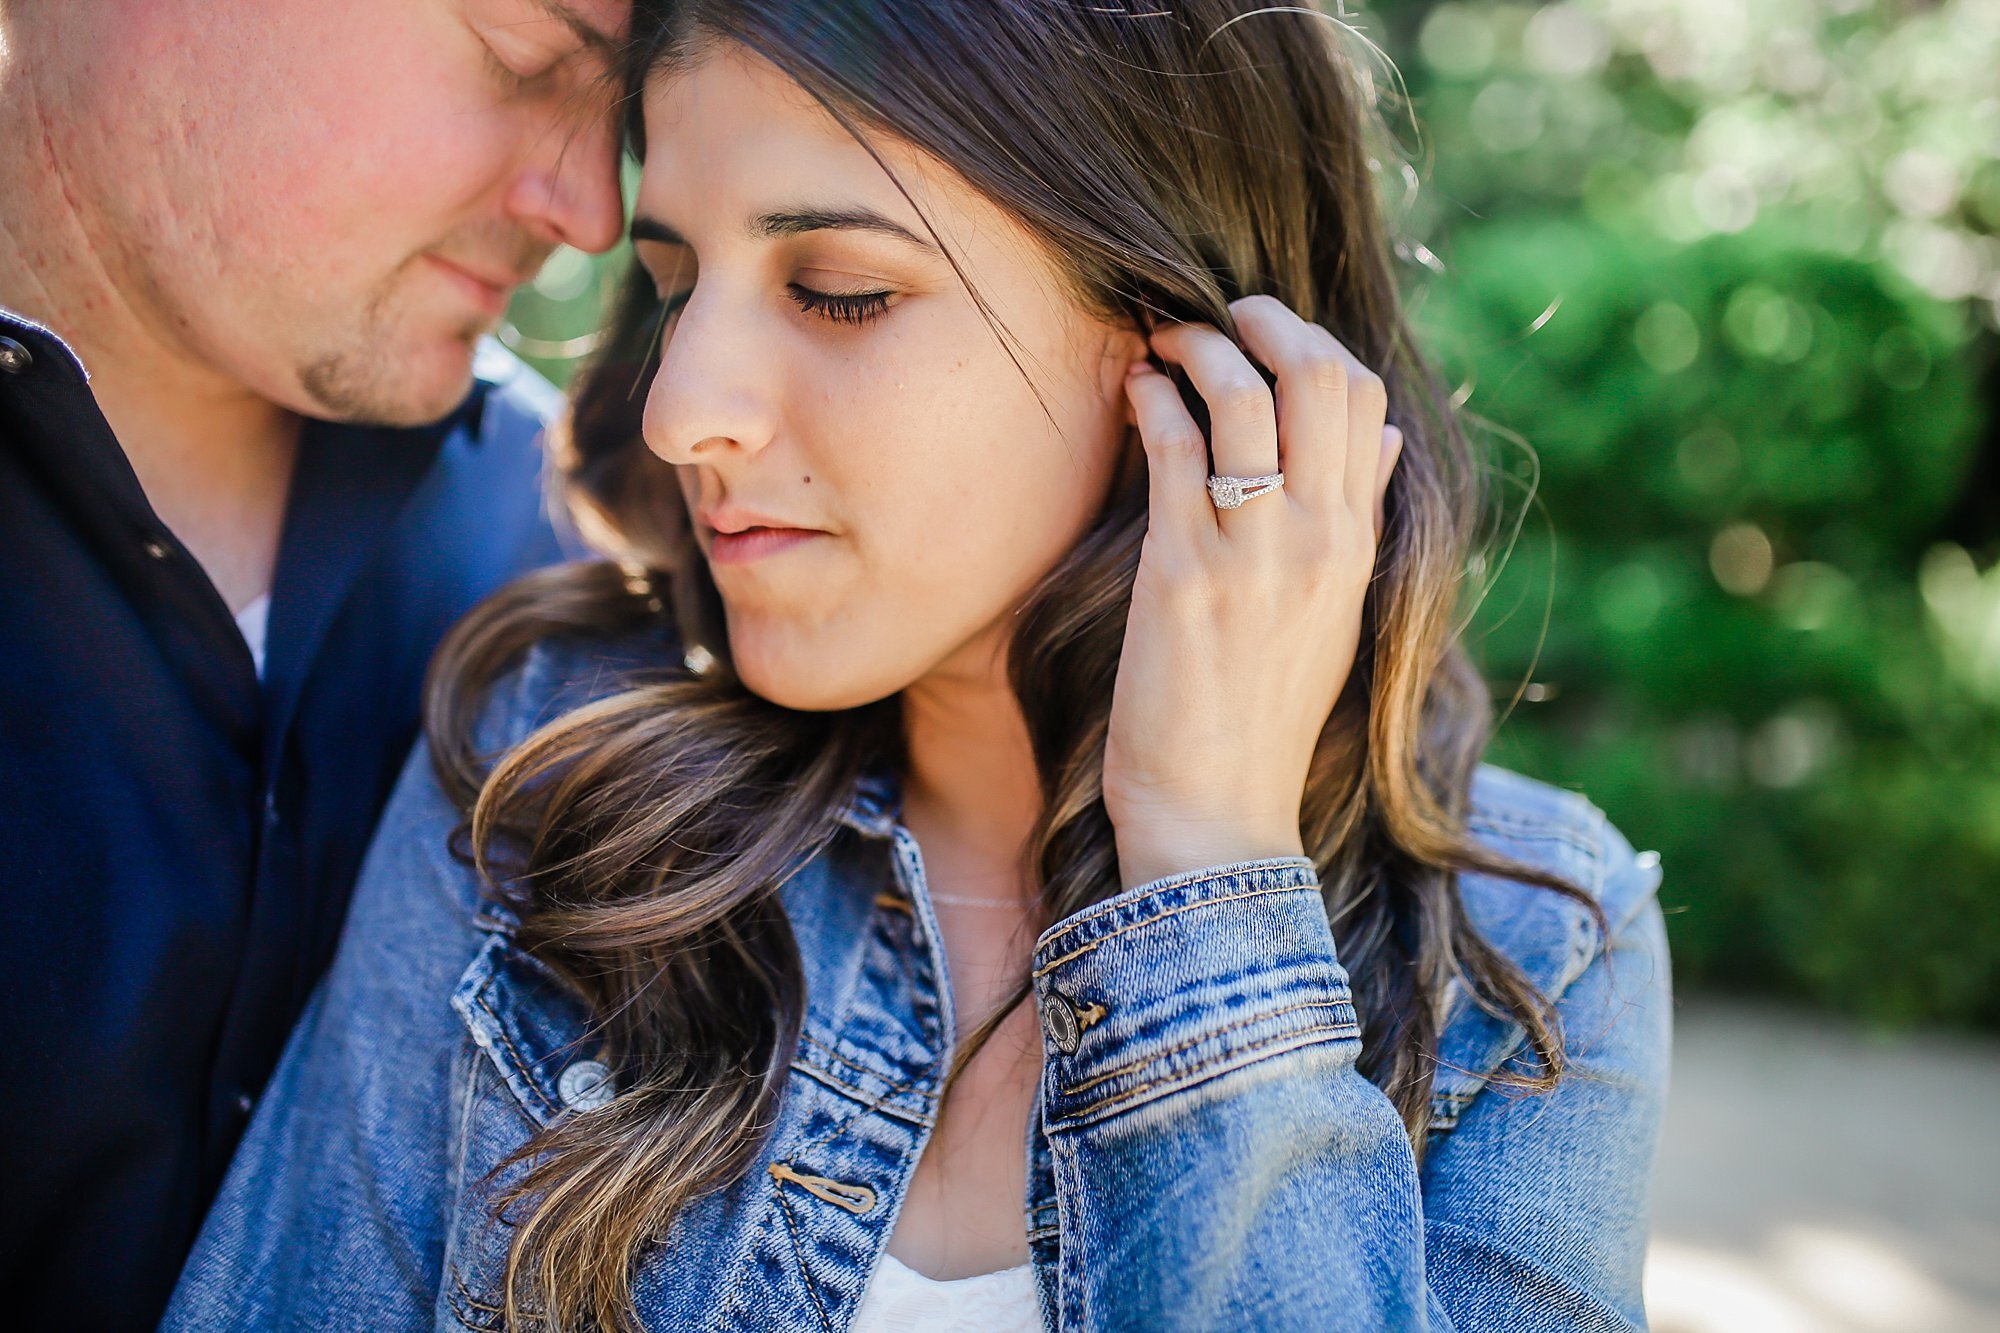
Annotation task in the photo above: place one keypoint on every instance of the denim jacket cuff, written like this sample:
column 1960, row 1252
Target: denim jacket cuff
column 1177, row 981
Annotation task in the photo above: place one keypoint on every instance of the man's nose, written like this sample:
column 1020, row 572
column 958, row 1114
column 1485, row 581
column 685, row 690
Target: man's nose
column 567, row 192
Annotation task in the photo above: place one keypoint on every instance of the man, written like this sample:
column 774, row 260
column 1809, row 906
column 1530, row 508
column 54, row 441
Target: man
column 247, row 250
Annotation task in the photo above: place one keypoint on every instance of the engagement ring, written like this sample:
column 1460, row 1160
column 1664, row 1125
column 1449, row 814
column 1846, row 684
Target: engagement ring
column 1231, row 492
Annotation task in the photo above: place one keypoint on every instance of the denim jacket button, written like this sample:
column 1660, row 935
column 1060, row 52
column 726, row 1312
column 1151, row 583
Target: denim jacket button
column 586, row 1085
column 14, row 356
column 1059, row 1021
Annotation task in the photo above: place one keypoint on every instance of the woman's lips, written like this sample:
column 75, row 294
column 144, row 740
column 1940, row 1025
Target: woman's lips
column 751, row 544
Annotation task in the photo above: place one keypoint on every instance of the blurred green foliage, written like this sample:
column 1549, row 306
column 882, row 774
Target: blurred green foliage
column 1722, row 279
column 553, row 322
column 1718, row 610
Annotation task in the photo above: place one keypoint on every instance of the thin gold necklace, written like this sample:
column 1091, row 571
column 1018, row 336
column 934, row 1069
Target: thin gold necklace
column 963, row 900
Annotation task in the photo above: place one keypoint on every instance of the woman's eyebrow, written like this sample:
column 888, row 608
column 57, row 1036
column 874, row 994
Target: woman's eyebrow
column 794, row 222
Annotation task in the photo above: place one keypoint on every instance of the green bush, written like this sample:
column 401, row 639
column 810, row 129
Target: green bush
column 1743, row 448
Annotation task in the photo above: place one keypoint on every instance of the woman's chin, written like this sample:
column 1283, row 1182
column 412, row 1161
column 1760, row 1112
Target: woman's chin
column 811, row 683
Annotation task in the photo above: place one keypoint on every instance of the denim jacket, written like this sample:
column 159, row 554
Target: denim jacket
column 1204, row 1154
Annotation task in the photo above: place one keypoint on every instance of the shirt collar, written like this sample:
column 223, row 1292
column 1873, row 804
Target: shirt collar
column 874, row 805
column 43, row 341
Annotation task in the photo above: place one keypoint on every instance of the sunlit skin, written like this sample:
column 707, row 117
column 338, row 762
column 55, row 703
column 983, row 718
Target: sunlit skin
column 910, row 440
column 239, row 212
column 876, row 494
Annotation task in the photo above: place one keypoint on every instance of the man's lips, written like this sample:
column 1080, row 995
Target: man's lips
column 488, row 292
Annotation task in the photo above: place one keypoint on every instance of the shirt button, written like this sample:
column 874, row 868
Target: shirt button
column 14, row 357
column 159, row 550
column 1059, row 1021
column 586, row 1085
column 244, row 1103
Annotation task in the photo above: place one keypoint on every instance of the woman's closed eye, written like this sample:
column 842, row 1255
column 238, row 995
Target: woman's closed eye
column 834, row 307
column 840, row 307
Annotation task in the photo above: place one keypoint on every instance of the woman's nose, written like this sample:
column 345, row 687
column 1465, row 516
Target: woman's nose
column 710, row 397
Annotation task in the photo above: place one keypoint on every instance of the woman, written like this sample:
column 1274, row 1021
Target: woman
column 959, row 865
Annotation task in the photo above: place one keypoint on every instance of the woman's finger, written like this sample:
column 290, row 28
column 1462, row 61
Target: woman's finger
column 1367, row 413
column 1243, row 422
column 1392, row 449
column 1312, row 411
column 1176, row 455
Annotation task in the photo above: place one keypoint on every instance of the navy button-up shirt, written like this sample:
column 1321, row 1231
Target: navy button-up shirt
column 178, row 838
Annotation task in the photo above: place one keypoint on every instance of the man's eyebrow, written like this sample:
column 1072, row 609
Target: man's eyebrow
column 595, row 39
column 795, row 222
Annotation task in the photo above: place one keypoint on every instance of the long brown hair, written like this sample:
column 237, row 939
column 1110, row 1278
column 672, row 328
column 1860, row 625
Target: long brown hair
column 1171, row 157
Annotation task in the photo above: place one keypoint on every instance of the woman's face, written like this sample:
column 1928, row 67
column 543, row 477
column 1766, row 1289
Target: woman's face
column 871, row 477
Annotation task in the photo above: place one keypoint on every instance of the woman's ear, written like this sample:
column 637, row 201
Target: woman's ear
column 1131, row 462
column 1133, row 345
column 1122, row 347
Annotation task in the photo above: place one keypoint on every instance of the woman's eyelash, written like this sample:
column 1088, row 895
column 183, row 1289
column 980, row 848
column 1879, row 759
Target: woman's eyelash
column 854, row 308
column 857, row 308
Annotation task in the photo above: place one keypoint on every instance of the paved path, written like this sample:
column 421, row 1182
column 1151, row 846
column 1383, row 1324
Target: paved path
column 1815, row 1178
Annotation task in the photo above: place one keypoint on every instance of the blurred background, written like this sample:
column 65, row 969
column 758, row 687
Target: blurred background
column 1722, row 280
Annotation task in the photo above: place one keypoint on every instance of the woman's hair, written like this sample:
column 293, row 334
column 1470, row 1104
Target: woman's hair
column 1171, row 157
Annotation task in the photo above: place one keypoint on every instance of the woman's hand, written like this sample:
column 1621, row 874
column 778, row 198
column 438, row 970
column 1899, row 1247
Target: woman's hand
column 1244, row 621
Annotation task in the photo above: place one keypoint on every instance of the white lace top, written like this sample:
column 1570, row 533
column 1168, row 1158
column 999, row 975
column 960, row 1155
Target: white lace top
column 899, row 1299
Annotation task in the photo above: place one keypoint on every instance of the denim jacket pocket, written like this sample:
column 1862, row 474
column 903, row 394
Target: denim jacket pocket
column 1549, row 937
column 534, row 1028
column 531, row 1061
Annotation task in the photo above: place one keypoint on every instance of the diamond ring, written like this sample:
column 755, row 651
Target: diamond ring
column 1231, row 492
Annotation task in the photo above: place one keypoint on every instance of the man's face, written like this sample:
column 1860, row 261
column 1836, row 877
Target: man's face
column 330, row 203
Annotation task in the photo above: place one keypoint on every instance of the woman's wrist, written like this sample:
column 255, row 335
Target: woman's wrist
column 1157, row 850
